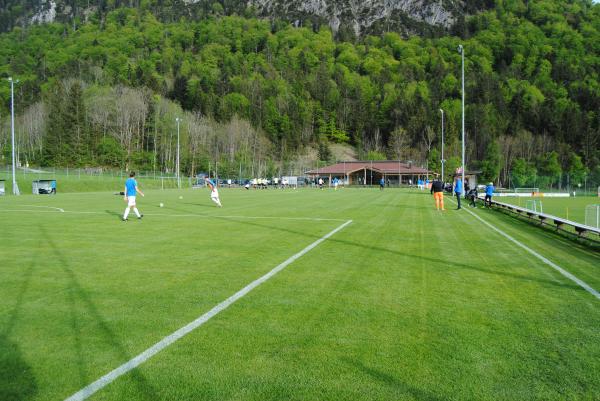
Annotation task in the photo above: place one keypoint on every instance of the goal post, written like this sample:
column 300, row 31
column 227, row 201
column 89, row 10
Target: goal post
column 592, row 215
column 534, row 205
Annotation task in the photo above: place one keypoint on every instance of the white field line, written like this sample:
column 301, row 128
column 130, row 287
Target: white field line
column 171, row 338
column 244, row 217
column 556, row 267
column 47, row 207
column 205, row 216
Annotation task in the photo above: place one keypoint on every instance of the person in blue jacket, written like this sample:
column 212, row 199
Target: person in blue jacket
column 131, row 189
column 458, row 187
column 489, row 192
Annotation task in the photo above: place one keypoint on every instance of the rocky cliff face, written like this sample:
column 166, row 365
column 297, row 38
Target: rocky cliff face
column 350, row 16
column 362, row 15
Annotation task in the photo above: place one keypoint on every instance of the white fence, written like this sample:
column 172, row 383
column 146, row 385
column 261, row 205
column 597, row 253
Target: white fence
column 582, row 230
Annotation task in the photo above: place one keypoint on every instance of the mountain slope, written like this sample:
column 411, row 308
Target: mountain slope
column 348, row 17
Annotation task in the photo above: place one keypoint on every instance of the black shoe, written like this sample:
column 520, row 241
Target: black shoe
column 141, row 215
column 124, row 220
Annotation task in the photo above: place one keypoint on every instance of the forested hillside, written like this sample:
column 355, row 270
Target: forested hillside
column 107, row 92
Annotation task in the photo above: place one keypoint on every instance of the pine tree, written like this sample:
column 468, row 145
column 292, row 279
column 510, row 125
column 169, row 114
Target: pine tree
column 55, row 143
column 76, row 128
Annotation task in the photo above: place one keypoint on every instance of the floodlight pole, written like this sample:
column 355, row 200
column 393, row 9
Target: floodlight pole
column 177, row 167
column 15, row 187
column 442, row 111
column 461, row 50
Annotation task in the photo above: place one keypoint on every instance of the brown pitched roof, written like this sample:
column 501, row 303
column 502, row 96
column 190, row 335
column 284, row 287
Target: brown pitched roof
column 386, row 166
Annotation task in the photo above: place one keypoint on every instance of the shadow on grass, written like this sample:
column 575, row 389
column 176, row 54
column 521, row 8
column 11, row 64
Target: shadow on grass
column 417, row 257
column 212, row 205
column 17, row 381
column 77, row 294
column 392, row 381
column 113, row 213
column 183, row 211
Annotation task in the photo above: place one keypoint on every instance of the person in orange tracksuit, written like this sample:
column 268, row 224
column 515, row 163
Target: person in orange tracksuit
column 437, row 189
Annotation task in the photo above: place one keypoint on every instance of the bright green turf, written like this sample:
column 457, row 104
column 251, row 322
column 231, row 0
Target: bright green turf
column 572, row 208
column 75, row 182
column 406, row 303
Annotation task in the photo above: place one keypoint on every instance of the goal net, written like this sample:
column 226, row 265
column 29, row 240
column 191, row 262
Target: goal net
column 592, row 216
column 534, row 205
column 526, row 190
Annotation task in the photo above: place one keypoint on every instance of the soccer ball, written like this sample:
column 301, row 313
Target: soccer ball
column 161, row 204
column 181, row 197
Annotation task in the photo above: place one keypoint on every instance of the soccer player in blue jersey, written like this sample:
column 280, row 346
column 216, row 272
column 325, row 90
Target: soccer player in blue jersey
column 214, row 192
column 131, row 189
column 489, row 192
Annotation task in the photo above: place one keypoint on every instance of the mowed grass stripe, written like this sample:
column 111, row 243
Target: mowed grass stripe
column 130, row 282
column 349, row 324
column 87, row 391
column 578, row 259
column 396, row 306
column 548, row 262
column 530, row 237
column 273, row 337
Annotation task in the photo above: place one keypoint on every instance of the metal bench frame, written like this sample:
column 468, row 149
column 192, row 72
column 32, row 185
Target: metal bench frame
column 582, row 230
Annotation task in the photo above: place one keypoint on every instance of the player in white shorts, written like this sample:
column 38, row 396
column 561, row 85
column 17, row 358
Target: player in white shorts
column 131, row 189
column 214, row 192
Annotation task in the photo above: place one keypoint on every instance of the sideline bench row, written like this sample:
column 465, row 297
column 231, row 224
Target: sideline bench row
column 544, row 218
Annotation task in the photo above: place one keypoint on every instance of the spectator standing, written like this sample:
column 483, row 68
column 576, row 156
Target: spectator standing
column 458, row 189
column 437, row 189
column 489, row 192
column 472, row 196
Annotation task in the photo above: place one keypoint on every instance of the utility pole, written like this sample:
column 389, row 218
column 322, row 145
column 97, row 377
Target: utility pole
column 177, row 163
column 15, row 186
column 443, row 161
column 461, row 50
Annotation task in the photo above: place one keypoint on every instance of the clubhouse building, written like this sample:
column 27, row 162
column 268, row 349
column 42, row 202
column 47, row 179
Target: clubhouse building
column 370, row 172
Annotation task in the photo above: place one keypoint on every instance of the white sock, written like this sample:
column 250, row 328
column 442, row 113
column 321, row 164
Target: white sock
column 137, row 213
column 126, row 213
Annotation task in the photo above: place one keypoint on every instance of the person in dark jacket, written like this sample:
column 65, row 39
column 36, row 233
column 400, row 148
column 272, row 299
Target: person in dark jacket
column 472, row 196
column 437, row 189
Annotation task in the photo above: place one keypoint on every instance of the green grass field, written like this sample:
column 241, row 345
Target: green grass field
column 405, row 303
column 77, row 181
column 572, row 208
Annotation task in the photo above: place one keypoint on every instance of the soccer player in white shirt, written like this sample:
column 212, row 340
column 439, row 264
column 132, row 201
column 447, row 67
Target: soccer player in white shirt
column 214, row 192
